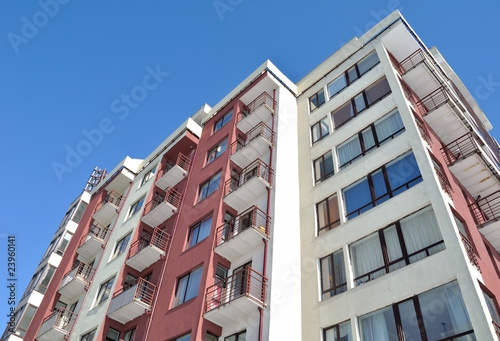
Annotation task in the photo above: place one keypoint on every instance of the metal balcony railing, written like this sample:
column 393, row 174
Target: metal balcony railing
column 487, row 209
column 245, row 283
column 252, row 218
column 140, row 291
column 443, row 181
column 260, row 130
column 258, row 168
column 460, row 148
column 112, row 197
column 263, row 99
column 497, row 329
column 171, row 196
column 159, row 239
column 97, row 231
column 182, row 161
column 471, row 251
column 80, row 271
column 60, row 319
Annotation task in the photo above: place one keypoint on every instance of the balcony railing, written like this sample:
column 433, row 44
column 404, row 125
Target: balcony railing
column 112, row 197
column 171, row 197
column 471, row 251
column 460, row 148
column 487, row 209
column 258, row 168
column 158, row 239
column 57, row 324
column 253, row 218
column 260, row 130
column 132, row 301
column 182, row 161
column 263, row 99
column 245, row 283
column 98, row 232
column 81, row 271
column 497, row 329
column 443, row 181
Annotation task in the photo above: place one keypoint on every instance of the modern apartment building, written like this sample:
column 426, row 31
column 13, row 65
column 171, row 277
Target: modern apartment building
column 361, row 203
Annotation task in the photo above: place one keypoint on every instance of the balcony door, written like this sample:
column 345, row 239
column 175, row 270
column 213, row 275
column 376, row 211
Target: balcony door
column 240, row 280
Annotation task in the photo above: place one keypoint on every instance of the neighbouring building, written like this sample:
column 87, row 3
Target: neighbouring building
column 361, row 203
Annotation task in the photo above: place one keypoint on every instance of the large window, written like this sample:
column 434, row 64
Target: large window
column 323, row 167
column 129, row 335
column 112, row 335
column 223, row 121
column 104, row 291
column 241, row 336
column 209, row 187
column 319, row 130
column 188, row 286
column 79, row 212
column 338, row 332
column 333, row 279
column 490, row 302
column 327, row 212
column 370, row 138
column 121, row 246
column 404, row 242
column 148, row 176
column 24, row 320
column 216, row 151
column 439, row 314
column 352, row 74
column 317, row 100
column 360, row 102
column 89, row 336
column 200, row 231
column 45, row 280
column 136, row 207
column 382, row 184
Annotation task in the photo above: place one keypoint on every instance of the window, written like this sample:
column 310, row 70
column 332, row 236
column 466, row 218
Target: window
column 211, row 337
column 323, row 167
column 104, row 291
column 490, row 302
column 200, row 231
column 317, row 100
column 112, row 335
column 382, row 184
column 328, row 214
column 370, row 138
column 136, row 206
column 64, row 243
column 320, row 130
column 352, row 74
column 216, row 151
column 148, row 176
column 186, row 337
column 418, row 318
column 79, row 212
column 68, row 215
column 129, row 335
column 241, row 336
column 223, row 121
column 24, row 320
column 209, row 187
column 121, row 246
column 333, row 279
column 338, row 332
column 188, row 286
column 44, row 283
column 404, row 242
column 89, row 336
column 360, row 102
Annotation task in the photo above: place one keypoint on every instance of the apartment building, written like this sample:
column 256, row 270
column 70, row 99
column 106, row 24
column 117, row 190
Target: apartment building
column 360, row 203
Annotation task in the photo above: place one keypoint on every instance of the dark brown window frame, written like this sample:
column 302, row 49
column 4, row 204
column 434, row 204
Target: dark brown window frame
column 323, row 169
column 320, row 130
column 316, row 97
column 334, row 287
column 337, row 327
column 330, row 225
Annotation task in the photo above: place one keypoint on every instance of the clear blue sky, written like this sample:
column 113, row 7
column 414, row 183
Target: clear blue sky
column 66, row 74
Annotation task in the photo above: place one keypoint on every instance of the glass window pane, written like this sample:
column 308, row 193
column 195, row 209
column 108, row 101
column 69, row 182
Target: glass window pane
column 392, row 243
column 388, row 126
column 322, row 214
column 403, row 171
column 325, row 129
column 326, row 273
column 366, row 257
column 368, row 62
column 313, row 101
column 349, row 151
column 368, row 139
column 357, row 198
column 409, row 321
column 343, row 114
column 214, row 184
column 333, row 209
column 359, row 102
column 328, row 164
column 205, row 227
column 194, row 284
column 345, row 331
column 181, row 290
column 377, row 91
column 379, row 186
column 339, row 270
column 315, row 130
column 379, row 326
column 26, row 320
column 492, row 308
column 186, row 337
column 352, row 74
column 321, row 98
column 420, row 230
column 337, row 85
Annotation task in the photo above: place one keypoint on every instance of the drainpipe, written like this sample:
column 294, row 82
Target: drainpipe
column 98, row 263
column 168, row 252
column 268, row 208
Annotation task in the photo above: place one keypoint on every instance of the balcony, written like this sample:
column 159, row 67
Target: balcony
column 486, row 213
column 234, row 298
column 471, row 165
column 243, row 233
column 255, row 143
column 145, row 252
column 57, row 326
column 132, row 302
column 76, row 280
column 108, row 208
column 171, row 174
column 160, row 208
column 242, row 190
column 94, row 241
column 259, row 110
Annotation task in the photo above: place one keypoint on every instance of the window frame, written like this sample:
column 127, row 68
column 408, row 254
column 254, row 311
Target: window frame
column 330, row 225
column 215, row 151
column 337, row 327
column 316, row 97
column 121, row 245
column 236, row 335
column 135, row 207
column 335, row 287
column 105, row 286
column 89, row 336
column 318, row 125
column 223, row 121
column 198, row 226
column 202, row 194
column 177, row 301
column 150, row 174
column 322, row 163
column 108, row 338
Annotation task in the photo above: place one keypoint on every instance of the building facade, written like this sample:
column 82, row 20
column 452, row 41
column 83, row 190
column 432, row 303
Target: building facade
column 360, row 203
